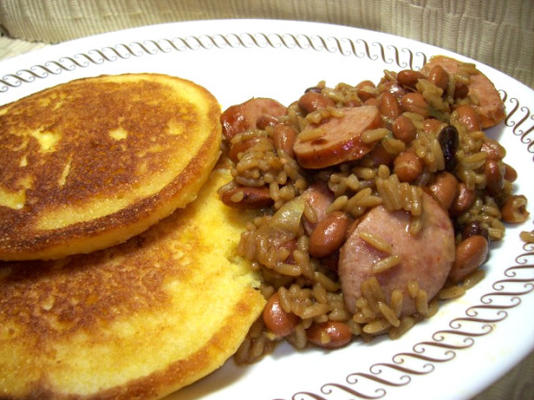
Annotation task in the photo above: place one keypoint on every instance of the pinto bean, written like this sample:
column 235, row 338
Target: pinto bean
column 392, row 87
column 510, row 174
column 389, row 106
column 373, row 101
column 493, row 149
column 463, row 200
column 247, row 197
column 471, row 253
column 312, row 101
column 329, row 334
column 460, row 91
column 318, row 197
column 444, row 189
column 276, row 319
column 409, row 77
column 415, row 102
column 432, row 125
column 514, row 210
column 407, row 166
column 404, row 129
column 284, row 138
column 439, row 77
column 494, row 172
column 366, row 90
column 468, row 117
column 329, row 234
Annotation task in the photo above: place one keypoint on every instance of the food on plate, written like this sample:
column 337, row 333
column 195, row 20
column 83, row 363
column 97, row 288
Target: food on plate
column 377, row 201
column 138, row 320
column 92, row 162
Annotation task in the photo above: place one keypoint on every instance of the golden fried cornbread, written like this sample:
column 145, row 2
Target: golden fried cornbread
column 95, row 161
column 135, row 321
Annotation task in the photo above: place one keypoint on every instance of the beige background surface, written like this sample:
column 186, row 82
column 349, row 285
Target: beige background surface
column 498, row 33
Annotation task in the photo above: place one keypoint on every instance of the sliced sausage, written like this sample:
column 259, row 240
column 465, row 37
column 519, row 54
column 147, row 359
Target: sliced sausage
column 425, row 258
column 318, row 197
column 340, row 140
column 247, row 197
column 490, row 108
column 242, row 117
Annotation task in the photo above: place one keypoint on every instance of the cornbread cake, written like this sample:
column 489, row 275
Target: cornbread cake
column 92, row 162
column 135, row 321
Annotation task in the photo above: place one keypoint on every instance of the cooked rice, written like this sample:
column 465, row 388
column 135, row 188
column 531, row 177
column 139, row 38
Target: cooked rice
column 308, row 286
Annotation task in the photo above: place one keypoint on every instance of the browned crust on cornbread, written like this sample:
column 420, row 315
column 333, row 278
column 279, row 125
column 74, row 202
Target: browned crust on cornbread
column 142, row 303
column 101, row 165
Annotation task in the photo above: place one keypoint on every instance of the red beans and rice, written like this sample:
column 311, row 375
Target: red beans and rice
column 427, row 140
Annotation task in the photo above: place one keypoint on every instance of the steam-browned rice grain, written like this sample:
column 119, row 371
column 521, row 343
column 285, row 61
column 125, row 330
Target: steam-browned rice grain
column 388, row 314
column 473, row 161
column 396, row 301
column 319, row 292
column 258, row 347
column 392, row 145
column 237, row 196
column 354, row 327
column 311, row 134
column 364, row 172
column 413, row 289
column 433, row 307
column 406, row 323
column 451, row 292
column 372, row 291
column 339, row 314
column 314, row 310
column 285, row 301
column 421, row 302
column 301, row 258
column 386, row 264
column 416, row 224
column 327, row 283
column 473, row 278
column 383, row 171
column 288, row 269
column 352, row 182
column 374, row 135
column 376, row 327
column 375, row 241
column 299, row 336
column 309, row 213
column 303, row 243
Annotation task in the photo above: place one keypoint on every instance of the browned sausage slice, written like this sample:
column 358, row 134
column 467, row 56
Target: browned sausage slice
column 247, row 197
column 340, row 140
column 426, row 258
column 490, row 107
column 242, row 117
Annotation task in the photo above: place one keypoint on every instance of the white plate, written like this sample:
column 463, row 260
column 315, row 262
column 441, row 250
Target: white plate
column 471, row 341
